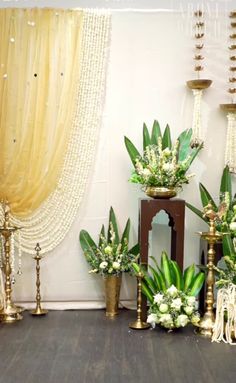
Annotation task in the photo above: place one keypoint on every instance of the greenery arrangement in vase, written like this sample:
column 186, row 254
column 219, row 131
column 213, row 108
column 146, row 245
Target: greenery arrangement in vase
column 162, row 169
column 110, row 257
column 172, row 294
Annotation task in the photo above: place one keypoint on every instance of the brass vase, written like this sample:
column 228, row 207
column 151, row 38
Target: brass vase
column 112, row 294
column 160, row 192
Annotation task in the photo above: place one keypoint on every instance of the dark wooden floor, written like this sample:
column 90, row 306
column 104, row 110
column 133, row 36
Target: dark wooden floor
column 85, row 347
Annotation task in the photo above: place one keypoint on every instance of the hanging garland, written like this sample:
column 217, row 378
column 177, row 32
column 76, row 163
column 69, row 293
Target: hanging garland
column 50, row 223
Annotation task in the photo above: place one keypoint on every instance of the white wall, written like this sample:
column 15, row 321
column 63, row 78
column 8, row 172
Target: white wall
column 150, row 61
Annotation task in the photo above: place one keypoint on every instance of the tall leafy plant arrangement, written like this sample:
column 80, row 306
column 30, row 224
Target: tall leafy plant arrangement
column 171, row 293
column 162, row 163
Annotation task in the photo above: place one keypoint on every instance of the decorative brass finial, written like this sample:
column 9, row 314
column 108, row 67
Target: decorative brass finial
column 139, row 324
column 38, row 310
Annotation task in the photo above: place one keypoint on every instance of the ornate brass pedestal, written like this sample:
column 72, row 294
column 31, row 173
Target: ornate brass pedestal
column 139, row 324
column 38, row 310
column 10, row 312
column 207, row 322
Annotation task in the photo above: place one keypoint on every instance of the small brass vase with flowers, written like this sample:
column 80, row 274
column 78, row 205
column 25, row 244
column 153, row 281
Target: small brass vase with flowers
column 110, row 258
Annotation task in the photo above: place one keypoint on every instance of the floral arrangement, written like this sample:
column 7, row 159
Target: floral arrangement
column 226, row 210
column 112, row 255
column 162, row 164
column 172, row 294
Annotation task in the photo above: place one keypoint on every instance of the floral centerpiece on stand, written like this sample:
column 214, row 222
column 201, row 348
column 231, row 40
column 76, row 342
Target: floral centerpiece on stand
column 109, row 258
column 171, row 294
column 162, row 169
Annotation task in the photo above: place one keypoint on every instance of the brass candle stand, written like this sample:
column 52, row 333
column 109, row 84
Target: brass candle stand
column 139, row 324
column 38, row 311
column 212, row 236
column 10, row 312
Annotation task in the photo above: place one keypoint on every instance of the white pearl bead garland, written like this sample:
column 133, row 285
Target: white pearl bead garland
column 197, row 123
column 49, row 224
column 230, row 151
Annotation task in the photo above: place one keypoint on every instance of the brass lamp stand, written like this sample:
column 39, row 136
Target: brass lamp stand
column 139, row 324
column 38, row 310
column 10, row 312
column 212, row 236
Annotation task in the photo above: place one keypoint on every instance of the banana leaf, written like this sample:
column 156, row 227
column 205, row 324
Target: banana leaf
column 146, row 137
column 226, row 184
column 112, row 220
column 102, row 234
column 87, row 243
column 179, row 281
column 156, row 132
column 228, row 246
column 206, row 197
column 196, row 284
column 188, row 277
column 133, row 152
column 166, row 139
column 166, row 269
column 184, row 144
column 125, row 235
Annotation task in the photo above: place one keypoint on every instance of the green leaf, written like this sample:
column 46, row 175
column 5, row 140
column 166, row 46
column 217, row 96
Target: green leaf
column 226, row 184
column 166, row 269
column 196, row 211
column 133, row 152
column 113, row 222
column 156, row 132
column 196, row 284
column 102, row 234
column 161, row 275
column 156, row 277
column 193, row 154
column 135, row 250
column 146, row 137
column 228, row 246
column 125, row 235
column 206, row 197
column 147, row 292
column 188, row 277
column 178, row 275
column 166, row 139
column 184, row 144
column 87, row 243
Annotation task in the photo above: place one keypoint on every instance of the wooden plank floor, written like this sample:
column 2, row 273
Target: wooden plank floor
column 86, row 347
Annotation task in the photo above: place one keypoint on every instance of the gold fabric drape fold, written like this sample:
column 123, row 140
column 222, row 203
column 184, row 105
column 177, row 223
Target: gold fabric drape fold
column 39, row 73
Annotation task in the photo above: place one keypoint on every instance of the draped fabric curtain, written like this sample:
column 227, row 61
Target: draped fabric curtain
column 52, row 85
column 39, row 72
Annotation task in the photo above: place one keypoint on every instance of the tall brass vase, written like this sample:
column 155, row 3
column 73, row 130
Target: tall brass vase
column 112, row 294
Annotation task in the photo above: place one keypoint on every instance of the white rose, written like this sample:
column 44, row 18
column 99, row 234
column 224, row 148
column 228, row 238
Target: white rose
column 152, row 319
column 146, row 172
column 172, row 290
column 166, row 152
column 188, row 310
column 182, row 320
column 108, row 250
column 191, row 301
column 103, row 265
column 232, row 226
column 163, row 308
column 168, row 167
column 158, row 298
column 176, row 304
column 165, row 318
column 116, row 265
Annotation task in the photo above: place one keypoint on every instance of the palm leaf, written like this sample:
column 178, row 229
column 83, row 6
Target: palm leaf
column 102, row 234
column 147, row 292
column 206, row 197
column 161, row 275
column 226, row 184
column 184, row 144
column 188, row 277
column 133, row 152
column 179, row 281
column 113, row 223
column 156, row 277
column 196, row 211
column 196, row 284
column 228, row 246
column 87, row 243
column 125, row 235
column 156, row 133
column 165, row 265
column 166, row 139
column 135, row 249
column 146, row 137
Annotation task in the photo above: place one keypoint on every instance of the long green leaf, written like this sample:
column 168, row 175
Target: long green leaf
column 196, row 211
column 147, row 292
column 87, row 243
column 228, row 246
column 179, row 281
column 135, row 250
column 133, row 152
column 156, row 133
column 166, row 269
column 193, row 154
column 206, row 197
column 125, row 235
column 184, row 144
column 196, row 284
column 146, row 137
column 102, row 234
column 166, row 139
column 161, row 275
column 113, row 222
column 188, row 277
column 155, row 277
column 226, row 184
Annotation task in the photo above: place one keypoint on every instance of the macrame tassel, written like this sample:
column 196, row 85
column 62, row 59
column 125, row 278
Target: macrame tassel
column 197, row 123
column 230, row 152
column 226, row 304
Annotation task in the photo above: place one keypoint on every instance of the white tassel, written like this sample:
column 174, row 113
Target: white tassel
column 197, row 123
column 230, row 152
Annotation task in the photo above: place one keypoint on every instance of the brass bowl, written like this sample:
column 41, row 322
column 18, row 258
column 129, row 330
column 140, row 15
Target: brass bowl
column 199, row 84
column 229, row 108
column 160, row 192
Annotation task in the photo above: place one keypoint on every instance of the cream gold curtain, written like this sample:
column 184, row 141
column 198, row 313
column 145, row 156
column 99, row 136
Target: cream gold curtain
column 39, row 73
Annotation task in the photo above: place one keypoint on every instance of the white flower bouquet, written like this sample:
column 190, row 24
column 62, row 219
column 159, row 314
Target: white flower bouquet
column 112, row 255
column 171, row 294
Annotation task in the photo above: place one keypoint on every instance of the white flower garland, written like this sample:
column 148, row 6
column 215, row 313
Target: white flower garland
column 49, row 224
column 230, row 152
column 226, row 304
column 197, row 123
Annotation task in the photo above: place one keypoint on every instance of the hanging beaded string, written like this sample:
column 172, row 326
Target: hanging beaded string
column 232, row 57
column 199, row 44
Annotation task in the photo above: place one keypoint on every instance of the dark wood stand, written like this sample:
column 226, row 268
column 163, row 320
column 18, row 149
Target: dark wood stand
column 175, row 209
